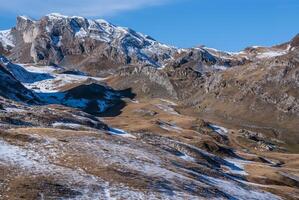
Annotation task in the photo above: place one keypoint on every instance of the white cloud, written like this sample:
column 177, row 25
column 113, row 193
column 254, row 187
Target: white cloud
column 89, row 8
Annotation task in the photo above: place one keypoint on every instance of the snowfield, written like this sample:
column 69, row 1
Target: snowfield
column 57, row 81
column 50, row 85
column 271, row 54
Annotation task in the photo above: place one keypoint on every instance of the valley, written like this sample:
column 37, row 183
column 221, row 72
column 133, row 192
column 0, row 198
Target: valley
column 127, row 117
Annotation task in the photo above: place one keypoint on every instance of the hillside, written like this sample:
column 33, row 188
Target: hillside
column 91, row 110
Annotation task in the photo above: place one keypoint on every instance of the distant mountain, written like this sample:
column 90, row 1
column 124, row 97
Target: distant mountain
column 96, row 45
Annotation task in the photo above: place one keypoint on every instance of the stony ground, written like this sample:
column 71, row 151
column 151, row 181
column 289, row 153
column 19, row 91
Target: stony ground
column 145, row 148
column 152, row 152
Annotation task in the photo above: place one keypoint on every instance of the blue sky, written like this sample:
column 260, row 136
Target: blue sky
column 229, row 25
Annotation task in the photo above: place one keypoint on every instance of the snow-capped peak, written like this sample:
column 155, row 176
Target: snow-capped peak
column 131, row 43
column 102, row 21
column 24, row 17
column 56, row 15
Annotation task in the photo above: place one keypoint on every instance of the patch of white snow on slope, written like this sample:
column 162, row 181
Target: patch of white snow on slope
column 58, row 81
column 11, row 109
column 6, row 39
column 40, row 69
column 81, row 33
column 170, row 127
column 14, row 155
column 236, row 166
column 270, row 54
column 168, row 102
column 68, row 125
column 56, row 16
column 274, row 53
column 35, row 163
column 167, row 109
column 218, row 129
column 119, row 132
column 187, row 157
column 219, row 67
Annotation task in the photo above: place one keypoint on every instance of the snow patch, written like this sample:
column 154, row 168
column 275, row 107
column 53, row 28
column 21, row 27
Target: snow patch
column 14, row 110
column 40, row 69
column 169, row 126
column 67, row 125
column 187, row 157
column 271, row 54
column 168, row 102
column 59, row 81
column 219, row 67
column 15, row 155
column 35, row 163
column 56, row 16
column 218, row 129
column 81, row 33
column 6, row 39
column 236, row 166
column 274, row 52
column 25, row 17
column 119, row 132
column 134, row 101
column 167, row 109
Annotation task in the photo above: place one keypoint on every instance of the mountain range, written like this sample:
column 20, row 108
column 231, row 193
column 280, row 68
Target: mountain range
column 91, row 110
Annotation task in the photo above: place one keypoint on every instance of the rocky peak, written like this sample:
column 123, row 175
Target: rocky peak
column 55, row 37
column 295, row 41
column 23, row 23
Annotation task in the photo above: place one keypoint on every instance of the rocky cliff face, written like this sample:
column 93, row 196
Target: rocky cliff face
column 273, row 78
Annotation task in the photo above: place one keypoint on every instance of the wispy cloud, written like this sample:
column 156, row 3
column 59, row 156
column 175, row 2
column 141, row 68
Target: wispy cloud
column 90, row 8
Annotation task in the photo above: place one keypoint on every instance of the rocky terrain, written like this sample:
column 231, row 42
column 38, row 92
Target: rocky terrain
column 90, row 110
